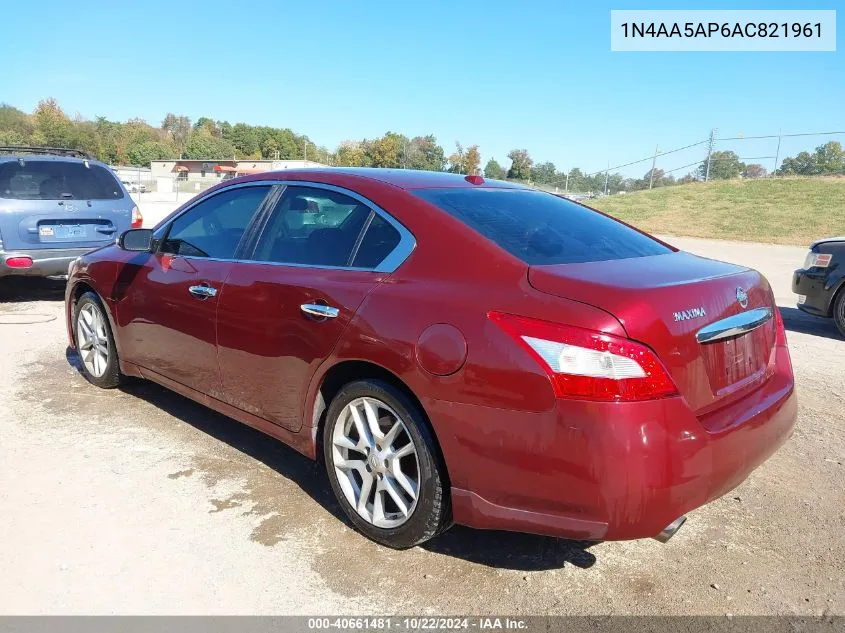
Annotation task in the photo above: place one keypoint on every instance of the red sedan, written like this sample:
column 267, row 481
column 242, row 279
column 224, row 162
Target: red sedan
column 454, row 350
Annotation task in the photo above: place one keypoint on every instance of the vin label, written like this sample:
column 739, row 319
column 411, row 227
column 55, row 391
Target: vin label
column 696, row 30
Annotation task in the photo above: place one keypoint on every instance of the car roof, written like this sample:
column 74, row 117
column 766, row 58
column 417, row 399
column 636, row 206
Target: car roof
column 402, row 178
column 31, row 158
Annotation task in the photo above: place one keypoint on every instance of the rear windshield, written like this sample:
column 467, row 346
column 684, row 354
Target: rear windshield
column 540, row 228
column 57, row 180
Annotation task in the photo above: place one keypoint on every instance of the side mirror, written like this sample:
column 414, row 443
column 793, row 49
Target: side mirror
column 136, row 240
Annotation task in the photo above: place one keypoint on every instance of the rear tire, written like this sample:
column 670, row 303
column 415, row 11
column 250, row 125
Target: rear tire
column 377, row 445
column 95, row 343
column 839, row 311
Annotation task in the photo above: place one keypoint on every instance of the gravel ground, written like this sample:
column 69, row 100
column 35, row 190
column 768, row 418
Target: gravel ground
column 140, row 501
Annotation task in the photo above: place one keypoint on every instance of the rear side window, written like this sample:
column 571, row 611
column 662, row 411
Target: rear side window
column 314, row 227
column 540, row 228
column 379, row 241
column 57, row 180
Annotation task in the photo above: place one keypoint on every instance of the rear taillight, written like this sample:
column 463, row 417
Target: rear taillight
column 589, row 365
column 19, row 262
column 780, row 330
column 137, row 218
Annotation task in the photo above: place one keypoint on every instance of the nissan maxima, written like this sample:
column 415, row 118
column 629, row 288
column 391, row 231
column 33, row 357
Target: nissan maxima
column 454, row 350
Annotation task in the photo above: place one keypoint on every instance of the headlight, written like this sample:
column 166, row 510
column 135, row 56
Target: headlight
column 817, row 260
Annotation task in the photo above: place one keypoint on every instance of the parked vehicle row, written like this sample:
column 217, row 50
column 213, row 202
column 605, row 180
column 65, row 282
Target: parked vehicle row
column 134, row 187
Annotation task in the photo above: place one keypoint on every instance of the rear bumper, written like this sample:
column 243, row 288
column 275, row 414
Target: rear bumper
column 817, row 290
column 45, row 262
column 600, row 471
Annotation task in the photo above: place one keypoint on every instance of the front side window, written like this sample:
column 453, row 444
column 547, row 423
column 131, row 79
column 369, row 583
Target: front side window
column 215, row 226
column 312, row 226
column 57, row 180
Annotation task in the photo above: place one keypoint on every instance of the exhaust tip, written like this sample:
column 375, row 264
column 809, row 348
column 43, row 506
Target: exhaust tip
column 670, row 530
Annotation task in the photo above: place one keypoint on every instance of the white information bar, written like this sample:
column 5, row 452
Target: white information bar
column 716, row 30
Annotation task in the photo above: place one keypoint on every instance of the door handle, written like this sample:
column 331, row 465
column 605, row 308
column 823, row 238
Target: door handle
column 318, row 310
column 202, row 291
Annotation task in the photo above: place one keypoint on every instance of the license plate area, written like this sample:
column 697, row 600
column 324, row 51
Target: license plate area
column 734, row 362
column 81, row 231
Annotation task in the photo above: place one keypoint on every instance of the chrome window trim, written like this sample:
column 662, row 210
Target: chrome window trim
column 394, row 259
column 735, row 325
column 167, row 224
column 205, row 195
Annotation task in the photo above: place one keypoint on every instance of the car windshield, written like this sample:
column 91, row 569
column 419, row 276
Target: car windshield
column 541, row 228
column 57, row 180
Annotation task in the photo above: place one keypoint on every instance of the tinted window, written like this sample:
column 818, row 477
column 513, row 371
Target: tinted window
column 541, row 228
column 57, row 180
column 313, row 226
column 214, row 227
column 379, row 240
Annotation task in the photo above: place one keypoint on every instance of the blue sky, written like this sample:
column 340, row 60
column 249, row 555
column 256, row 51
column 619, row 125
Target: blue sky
column 538, row 75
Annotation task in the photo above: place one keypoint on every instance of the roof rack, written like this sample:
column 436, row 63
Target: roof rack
column 59, row 151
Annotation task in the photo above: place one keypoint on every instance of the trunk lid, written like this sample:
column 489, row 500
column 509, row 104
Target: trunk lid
column 663, row 301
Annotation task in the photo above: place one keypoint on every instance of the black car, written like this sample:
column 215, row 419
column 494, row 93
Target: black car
column 820, row 284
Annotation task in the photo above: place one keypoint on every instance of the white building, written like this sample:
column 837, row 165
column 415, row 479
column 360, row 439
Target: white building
column 207, row 169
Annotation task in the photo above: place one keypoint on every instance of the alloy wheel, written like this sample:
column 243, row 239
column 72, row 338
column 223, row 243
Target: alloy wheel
column 92, row 339
column 376, row 462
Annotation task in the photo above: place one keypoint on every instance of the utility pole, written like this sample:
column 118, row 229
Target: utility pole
column 653, row 162
column 566, row 188
column 709, row 153
column 777, row 154
column 606, row 176
column 305, row 145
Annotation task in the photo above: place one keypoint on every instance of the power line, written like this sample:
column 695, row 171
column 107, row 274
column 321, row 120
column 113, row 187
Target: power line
column 671, row 151
column 710, row 141
column 743, row 138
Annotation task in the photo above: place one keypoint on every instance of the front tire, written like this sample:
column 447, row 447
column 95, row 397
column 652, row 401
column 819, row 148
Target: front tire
column 95, row 343
column 382, row 465
column 839, row 311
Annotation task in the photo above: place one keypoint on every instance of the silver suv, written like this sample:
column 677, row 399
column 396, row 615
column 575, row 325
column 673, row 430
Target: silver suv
column 57, row 204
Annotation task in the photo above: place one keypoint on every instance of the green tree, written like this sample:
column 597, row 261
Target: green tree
column 423, row 152
column 829, row 158
column 520, row 164
column 723, row 166
column 245, row 139
column 577, row 180
column 802, row 164
column 543, row 173
column 456, row 159
column 755, row 170
column 472, row 161
column 202, row 145
column 351, row 154
column 16, row 126
column 177, row 128
column 208, row 125
column 494, row 170
column 387, row 151
column 52, row 126
column 146, row 151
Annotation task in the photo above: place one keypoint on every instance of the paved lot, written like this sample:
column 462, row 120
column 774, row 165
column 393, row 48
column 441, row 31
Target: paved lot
column 140, row 501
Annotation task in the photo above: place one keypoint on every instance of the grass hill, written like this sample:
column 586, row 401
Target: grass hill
column 773, row 210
